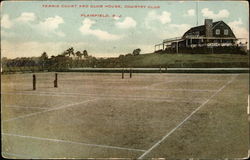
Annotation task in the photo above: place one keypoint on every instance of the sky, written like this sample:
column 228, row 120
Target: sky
column 30, row 28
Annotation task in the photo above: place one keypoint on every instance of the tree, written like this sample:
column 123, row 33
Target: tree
column 121, row 56
column 85, row 54
column 129, row 54
column 43, row 57
column 4, row 64
column 4, row 61
column 61, row 62
column 69, row 52
column 43, row 60
column 136, row 52
column 78, row 54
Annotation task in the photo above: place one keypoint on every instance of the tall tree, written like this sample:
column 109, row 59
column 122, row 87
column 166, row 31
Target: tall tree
column 70, row 51
column 78, row 54
column 85, row 54
column 43, row 60
column 136, row 52
column 44, row 56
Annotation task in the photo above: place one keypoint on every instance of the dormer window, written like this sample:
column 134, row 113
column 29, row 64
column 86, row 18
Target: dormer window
column 225, row 31
column 217, row 31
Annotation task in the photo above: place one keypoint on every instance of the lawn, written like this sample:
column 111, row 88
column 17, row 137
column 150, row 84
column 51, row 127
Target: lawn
column 188, row 60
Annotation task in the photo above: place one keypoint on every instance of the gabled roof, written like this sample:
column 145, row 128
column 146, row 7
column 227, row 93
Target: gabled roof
column 201, row 28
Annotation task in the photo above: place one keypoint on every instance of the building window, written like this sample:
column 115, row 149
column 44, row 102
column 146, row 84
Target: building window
column 225, row 31
column 217, row 31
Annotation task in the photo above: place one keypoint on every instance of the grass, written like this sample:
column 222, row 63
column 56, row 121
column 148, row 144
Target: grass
column 187, row 60
column 103, row 109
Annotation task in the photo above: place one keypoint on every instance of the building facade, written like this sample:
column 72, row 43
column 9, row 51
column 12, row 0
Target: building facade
column 210, row 35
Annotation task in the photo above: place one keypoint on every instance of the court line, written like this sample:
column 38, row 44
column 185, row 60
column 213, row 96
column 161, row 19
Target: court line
column 18, row 155
column 159, row 80
column 144, row 98
column 187, row 81
column 17, row 106
column 39, row 94
column 154, row 99
column 73, row 142
column 51, row 109
column 148, row 88
column 91, row 94
column 193, row 90
column 169, row 133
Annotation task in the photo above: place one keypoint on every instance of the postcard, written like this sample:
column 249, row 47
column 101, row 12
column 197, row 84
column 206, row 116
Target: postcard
column 125, row 79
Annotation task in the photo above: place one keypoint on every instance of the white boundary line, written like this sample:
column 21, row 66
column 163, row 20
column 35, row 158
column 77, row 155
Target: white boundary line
column 51, row 109
column 113, row 97
column 17, row 106
column 165, row 80
column 40, row 94
column 116, row 97
column 72, row 142
column 145, row 98
column 142, row 88
column 169, row 133
column 194, row 90
column 154, row 99
column 191, row 80
column 148, row 88
column 16, row 155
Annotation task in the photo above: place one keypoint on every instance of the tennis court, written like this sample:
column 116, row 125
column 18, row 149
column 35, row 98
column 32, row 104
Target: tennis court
column 101, row 115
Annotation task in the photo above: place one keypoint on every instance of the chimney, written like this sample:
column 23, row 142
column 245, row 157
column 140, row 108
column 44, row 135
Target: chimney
column 208, row 27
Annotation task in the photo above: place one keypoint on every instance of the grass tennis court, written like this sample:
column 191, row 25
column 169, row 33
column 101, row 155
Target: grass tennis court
column 100, row 115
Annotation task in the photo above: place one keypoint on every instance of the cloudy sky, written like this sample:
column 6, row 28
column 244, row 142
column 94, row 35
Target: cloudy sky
column 29, row 28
